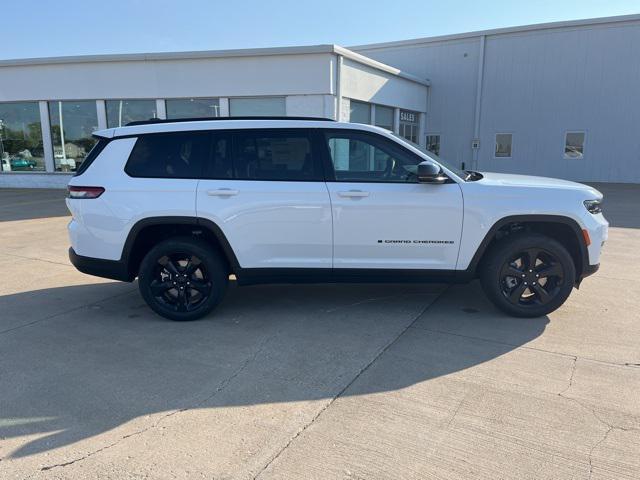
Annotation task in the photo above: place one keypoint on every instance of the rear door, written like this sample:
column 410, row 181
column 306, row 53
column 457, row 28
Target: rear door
column 382, row 217
column 265, row 190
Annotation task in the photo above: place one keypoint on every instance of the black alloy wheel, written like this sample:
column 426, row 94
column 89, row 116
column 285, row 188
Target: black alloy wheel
column 182, row 278
column 528, row 274
column 180, row 282
column 531, row 277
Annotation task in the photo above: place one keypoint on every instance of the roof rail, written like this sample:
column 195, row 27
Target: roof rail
column 203, row 119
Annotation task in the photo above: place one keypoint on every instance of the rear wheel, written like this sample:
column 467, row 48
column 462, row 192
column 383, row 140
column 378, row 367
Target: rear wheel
column 182, row 279
column 528, row 275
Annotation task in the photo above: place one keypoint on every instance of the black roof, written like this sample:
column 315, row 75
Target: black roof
column 201, row 119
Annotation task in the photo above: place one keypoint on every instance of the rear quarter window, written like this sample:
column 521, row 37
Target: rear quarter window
column 169, row 155
column 93, row 154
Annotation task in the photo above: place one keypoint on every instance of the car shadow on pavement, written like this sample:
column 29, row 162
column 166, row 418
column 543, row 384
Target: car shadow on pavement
column 84, row 371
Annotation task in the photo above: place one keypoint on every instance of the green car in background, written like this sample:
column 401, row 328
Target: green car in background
column 19, row 163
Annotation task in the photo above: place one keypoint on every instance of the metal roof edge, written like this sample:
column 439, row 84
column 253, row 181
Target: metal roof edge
column 364, row 60
column 128, row 57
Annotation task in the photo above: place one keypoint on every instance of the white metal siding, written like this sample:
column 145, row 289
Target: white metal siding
column 538, row 85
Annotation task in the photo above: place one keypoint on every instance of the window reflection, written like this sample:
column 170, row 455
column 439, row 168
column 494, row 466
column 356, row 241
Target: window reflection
column 384, row 117
column 192, row 107
column 257, row 107
column 21, row 137
column 433, row 144
column 503, row 145
column 574, row 145
column 72, row 126
column 359, row 112
column 121, row 112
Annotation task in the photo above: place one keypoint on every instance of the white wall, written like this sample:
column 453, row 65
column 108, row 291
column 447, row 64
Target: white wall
column 208, row 77
column 367, row 84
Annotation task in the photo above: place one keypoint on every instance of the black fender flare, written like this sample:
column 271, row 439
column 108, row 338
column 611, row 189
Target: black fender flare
column 470, row 272
column 197, row 223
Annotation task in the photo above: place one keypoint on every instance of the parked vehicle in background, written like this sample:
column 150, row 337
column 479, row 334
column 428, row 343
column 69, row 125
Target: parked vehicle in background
column 182, row 205
column 20, row 163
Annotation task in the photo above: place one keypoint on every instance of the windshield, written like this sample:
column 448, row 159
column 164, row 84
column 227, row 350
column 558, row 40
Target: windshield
column 463, row 174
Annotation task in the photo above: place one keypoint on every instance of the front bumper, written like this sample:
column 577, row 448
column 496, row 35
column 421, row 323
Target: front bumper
column 99, row 267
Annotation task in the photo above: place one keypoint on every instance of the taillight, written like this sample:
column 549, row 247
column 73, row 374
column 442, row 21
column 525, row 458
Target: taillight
column 85, row 192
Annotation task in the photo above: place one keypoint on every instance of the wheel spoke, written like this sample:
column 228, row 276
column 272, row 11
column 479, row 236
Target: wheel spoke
column 541, row 293
column 553, row 270
column 203, row 287
column 169, row 265
column 182, row 300
column 192, row 265
column 511, row 271
column 529, row 258
column 159, row 288
column 516, row 293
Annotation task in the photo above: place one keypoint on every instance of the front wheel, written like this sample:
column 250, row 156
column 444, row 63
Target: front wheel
column 182, row 279
column 528, row 275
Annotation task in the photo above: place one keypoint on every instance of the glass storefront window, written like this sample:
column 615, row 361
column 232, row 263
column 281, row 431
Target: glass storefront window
column 384, row 117
column 72, row 126
column 121, row 112
column 409, row 125
column 192, row 107
column 257, row 107
column 359, row 112
column 21, row 137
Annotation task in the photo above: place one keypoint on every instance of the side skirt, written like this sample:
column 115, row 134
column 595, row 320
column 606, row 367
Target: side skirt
column 255, row 276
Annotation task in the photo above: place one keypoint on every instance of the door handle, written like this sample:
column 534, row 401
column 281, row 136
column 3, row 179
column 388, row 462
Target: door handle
column 354, row 194
column 222, row 192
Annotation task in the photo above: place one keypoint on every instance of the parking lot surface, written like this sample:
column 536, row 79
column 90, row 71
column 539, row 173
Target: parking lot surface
column 313, row 381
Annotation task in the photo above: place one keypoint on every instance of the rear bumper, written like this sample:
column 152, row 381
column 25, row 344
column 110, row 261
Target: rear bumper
column 113, row 269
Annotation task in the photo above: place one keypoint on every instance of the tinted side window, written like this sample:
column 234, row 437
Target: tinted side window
column 169, row 155
column 219, row 164
column 363, row 157
column 274, row 155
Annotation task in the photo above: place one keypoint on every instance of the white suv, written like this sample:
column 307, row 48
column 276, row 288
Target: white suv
column 183, row 205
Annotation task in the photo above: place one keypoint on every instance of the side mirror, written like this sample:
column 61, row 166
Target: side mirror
column 429, row 172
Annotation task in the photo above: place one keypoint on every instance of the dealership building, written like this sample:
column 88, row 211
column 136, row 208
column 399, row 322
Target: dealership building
column 559, row 99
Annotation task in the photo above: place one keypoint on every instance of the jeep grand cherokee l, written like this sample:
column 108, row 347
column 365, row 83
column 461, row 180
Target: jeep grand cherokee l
column 182, row 205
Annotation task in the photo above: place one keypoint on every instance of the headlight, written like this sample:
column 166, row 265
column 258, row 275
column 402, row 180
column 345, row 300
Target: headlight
column 594, row 206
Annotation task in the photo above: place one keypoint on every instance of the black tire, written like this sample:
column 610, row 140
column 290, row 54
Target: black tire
column 523, row 287
column 182, row 278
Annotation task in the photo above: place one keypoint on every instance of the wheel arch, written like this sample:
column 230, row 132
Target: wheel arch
column 564, row 229
column 149, row 231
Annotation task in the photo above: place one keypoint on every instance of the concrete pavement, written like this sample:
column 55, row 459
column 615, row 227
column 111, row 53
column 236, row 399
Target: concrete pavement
column 313, row 381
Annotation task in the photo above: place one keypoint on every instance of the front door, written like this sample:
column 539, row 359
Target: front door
column 382, row 217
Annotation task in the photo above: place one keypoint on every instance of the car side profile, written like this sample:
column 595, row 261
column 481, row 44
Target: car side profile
column 183, row 205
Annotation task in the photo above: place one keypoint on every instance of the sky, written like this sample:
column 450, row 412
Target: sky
column 45, row 28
